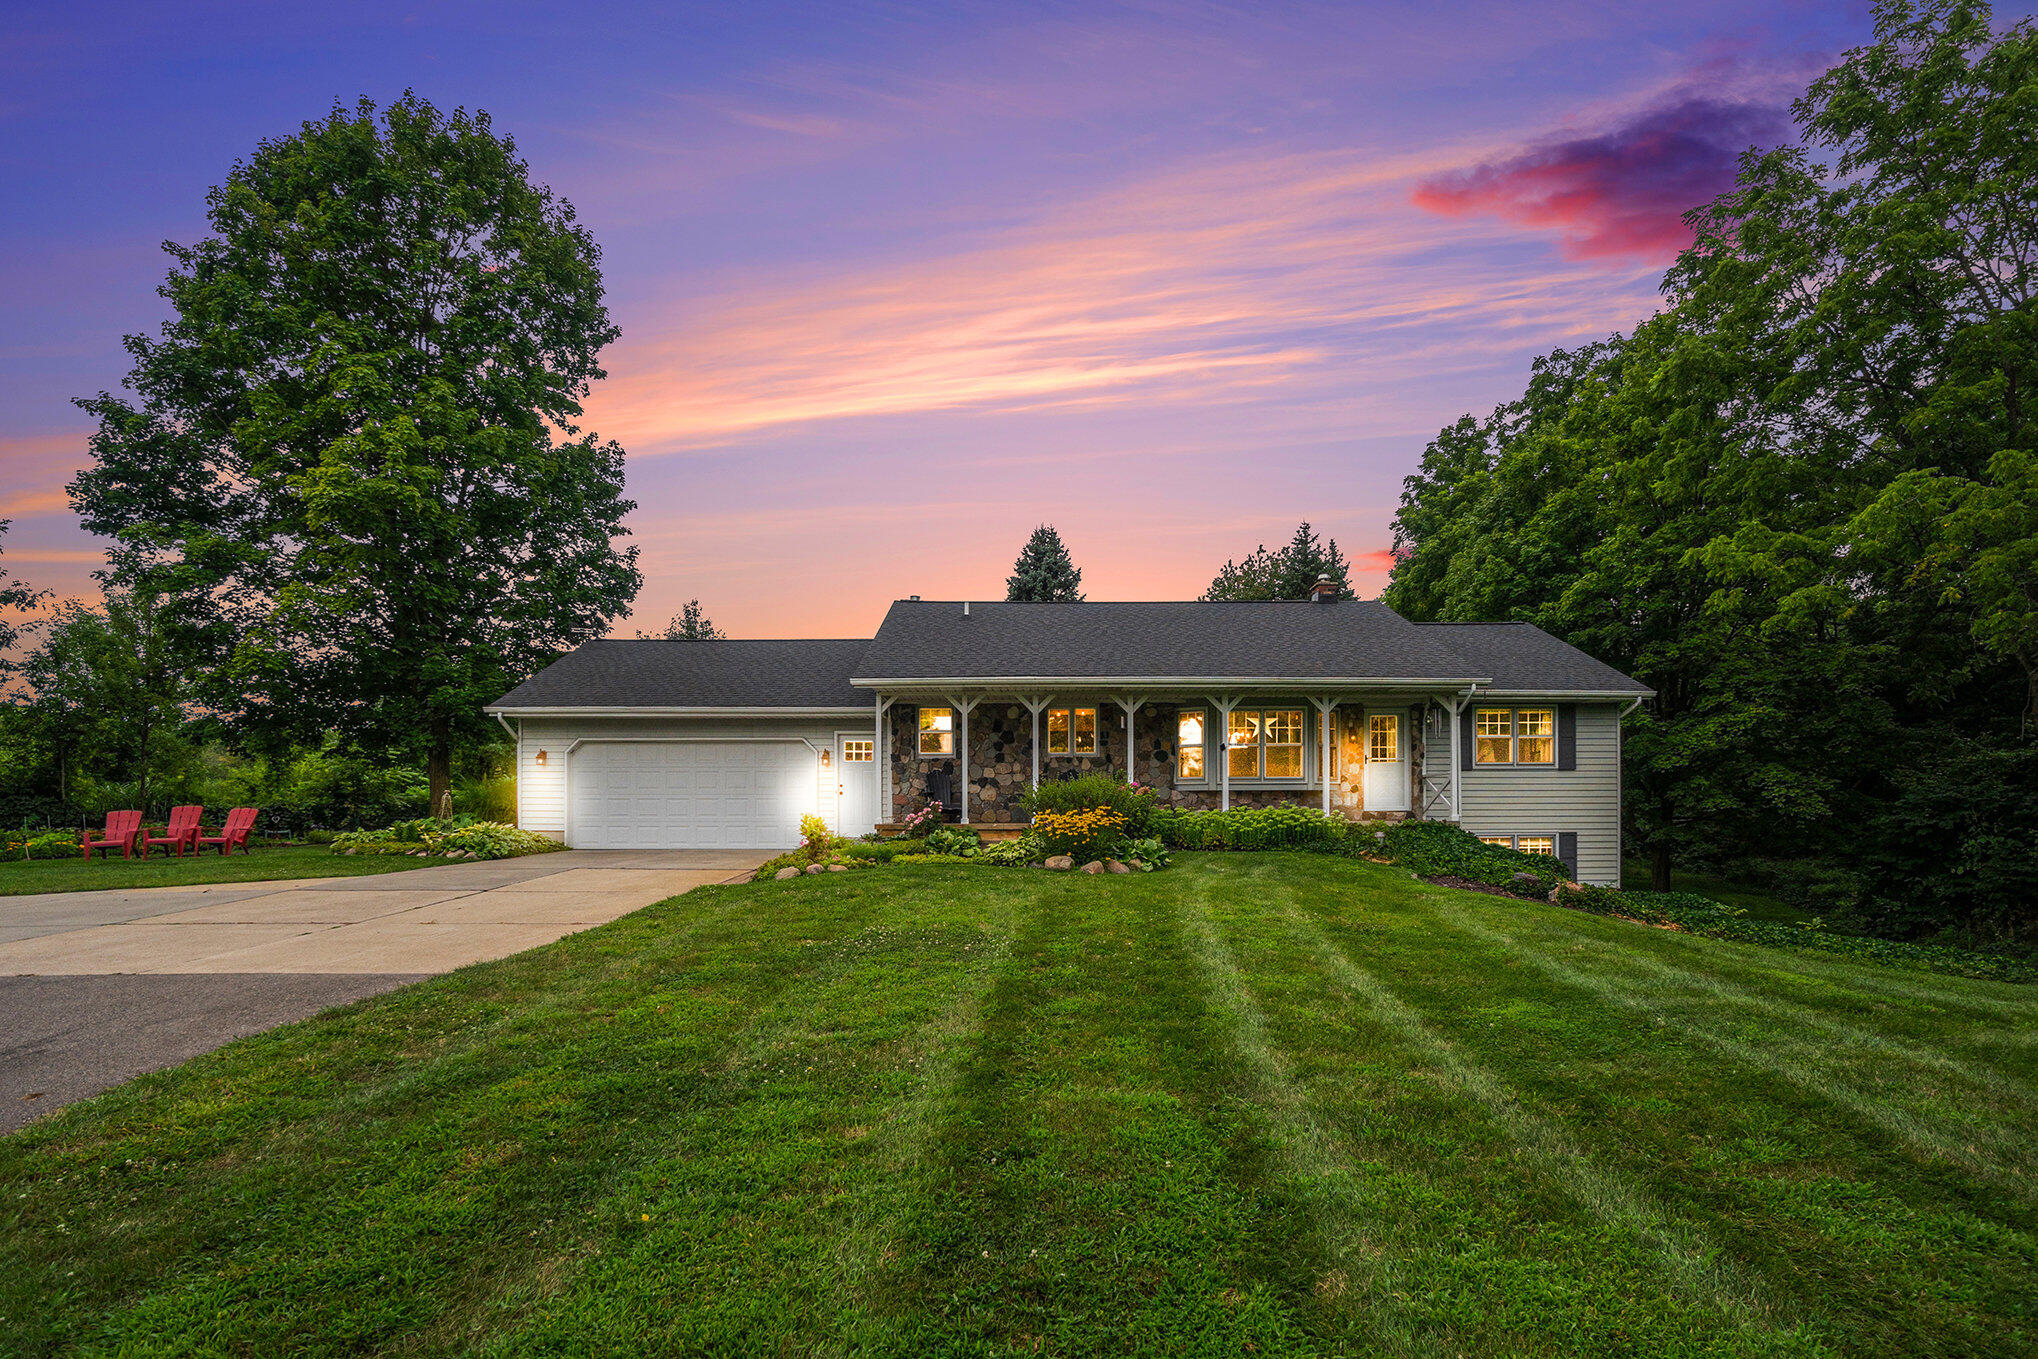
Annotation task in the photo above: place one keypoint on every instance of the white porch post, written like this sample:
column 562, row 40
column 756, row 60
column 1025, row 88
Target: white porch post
column 1324, row 708
column 962, row 707
column 1034, row 705
column 1222, row 708
column 1132, row 704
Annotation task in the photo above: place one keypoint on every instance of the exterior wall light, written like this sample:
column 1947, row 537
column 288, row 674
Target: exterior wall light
column 541, row 757
column 824, row 757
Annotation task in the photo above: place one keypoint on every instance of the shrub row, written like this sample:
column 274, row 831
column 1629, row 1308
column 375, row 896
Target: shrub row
column 461, row 835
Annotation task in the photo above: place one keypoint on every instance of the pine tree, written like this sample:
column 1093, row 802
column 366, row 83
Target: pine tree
column 1044, row 571
column 1287, row 574
column 690, row 624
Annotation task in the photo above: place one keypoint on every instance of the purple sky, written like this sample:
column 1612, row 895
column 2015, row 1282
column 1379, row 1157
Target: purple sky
column 898, row 283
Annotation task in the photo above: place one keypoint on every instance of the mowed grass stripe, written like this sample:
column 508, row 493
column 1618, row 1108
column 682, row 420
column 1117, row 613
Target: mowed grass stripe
column 1925, row 1136
column 1693, row 1262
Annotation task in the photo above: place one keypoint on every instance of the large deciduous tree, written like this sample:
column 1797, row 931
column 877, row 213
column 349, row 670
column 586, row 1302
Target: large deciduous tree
column 353, row 456
column 16, row 597
column 1044, row 570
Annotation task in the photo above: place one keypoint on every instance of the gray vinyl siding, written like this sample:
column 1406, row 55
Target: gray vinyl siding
column 1509, row 800
column 541, row 790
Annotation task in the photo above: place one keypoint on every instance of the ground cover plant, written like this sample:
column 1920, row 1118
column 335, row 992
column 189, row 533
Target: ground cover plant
column 1269, row 1104
column 264, row 864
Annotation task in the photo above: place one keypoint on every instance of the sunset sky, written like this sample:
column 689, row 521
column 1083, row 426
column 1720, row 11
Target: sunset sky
column 897, row 283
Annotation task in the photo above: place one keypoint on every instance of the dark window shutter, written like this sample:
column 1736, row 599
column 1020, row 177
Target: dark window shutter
column 1465, row 737
column 1567, row 850
column 1567, row 736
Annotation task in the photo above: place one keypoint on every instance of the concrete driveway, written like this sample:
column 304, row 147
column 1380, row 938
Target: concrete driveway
column 100, row 987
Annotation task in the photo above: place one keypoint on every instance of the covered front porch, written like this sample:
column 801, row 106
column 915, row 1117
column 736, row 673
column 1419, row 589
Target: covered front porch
column 1357, row 751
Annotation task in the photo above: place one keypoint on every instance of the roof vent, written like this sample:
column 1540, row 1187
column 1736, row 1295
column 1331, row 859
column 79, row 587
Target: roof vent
column 914, row 598
column 965, row 608
column 1323, row 591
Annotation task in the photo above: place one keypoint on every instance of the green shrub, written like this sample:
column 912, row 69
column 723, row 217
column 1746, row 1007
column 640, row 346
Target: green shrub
column 1136, row 806
column 958, row 842
column 1026, row 849
column 58, row 844
column 1252, row 828
column 481, row 839
column 1438, row 849
column 1148, row 853
column 883, row 851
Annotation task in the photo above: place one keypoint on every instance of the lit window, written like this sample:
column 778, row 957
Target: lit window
column 1383, row 736
column 1281, row 734
column 1243, row 739
column 1536, row 844
column 1504, row 841
column 1495, row 731
column 858, row 752
column 1072, row 731
column 1535, row 732
column 1189, row 745
column 937, row 731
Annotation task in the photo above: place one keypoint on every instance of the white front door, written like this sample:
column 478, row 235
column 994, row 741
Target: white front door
column 855, row 783
column 1386, row 762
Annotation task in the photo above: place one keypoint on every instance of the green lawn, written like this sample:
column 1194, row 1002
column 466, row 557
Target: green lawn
column 296, row 861
column 1259, row 1104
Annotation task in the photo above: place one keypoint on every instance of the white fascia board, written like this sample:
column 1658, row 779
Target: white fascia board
column 1611, row 695
column 1165, row 681
column 863, row 711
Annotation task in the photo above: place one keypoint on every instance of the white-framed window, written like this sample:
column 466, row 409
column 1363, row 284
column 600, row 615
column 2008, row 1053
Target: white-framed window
column 1262, row 742
column 1072, row 731
column 1514, row 736
column 1383, row 736
column 937, row 731
column 1189, row 744
column 1527, row 844
column 859, row 751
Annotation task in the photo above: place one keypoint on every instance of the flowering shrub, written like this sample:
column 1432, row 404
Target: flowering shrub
column 920, row 822
column 1136, row 805
column 815, row 835
column 1083, row 835
column 60, row 844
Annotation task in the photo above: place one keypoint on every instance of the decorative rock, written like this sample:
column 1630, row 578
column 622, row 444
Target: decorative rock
column 813, row 868
column 787, row 872
column 1093, row 867
column 837, row 868
column 1113, row 866
column 1060, row 863
column 1135, row 866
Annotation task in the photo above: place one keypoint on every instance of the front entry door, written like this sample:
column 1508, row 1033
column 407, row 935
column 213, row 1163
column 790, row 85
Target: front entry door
column 1386, row 762
column 855, row 783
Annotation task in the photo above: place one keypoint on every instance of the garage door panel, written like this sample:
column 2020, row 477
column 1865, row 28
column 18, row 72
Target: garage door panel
column 689, row 794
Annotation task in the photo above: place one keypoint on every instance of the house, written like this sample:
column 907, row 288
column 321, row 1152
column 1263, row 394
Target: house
column 1497, row 726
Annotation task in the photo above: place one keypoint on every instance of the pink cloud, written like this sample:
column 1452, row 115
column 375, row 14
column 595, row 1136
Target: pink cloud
column 1620, row 192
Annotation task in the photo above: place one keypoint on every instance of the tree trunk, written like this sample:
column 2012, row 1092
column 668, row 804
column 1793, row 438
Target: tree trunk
column 1659, row 866
column 439, row 768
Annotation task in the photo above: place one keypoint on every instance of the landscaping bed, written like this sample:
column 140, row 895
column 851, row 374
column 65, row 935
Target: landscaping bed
column 456, row 838
column 1271, row 1104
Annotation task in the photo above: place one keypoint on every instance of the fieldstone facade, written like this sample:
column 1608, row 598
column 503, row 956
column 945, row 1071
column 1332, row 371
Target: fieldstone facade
column 1001, row 761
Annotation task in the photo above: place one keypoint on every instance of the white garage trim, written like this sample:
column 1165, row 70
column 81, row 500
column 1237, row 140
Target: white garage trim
column 566, row 758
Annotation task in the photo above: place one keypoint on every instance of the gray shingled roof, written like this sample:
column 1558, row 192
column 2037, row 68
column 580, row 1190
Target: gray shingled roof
column 1263, row 639
column 935, row 640
column 790, row 673
column 1521, row 656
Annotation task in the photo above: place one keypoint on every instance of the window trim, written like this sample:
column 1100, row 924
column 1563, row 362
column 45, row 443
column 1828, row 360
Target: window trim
column 1514, row 736
column 922, row 732
column 865, row 744
column 1096, row 734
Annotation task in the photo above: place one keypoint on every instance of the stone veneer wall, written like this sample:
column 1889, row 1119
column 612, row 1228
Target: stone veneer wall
column 1001, row 761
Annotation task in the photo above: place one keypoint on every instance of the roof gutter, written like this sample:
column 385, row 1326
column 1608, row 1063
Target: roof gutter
column 496, row 710
column 1002, row 681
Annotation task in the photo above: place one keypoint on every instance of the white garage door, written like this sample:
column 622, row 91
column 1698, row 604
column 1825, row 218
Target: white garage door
column 689, row 794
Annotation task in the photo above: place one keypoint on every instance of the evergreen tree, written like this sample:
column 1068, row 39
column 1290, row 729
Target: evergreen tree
column 690, row 624
column 1044, row 571
column 1290, row 573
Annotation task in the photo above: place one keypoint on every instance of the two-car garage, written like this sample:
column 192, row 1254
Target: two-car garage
column 705, row 794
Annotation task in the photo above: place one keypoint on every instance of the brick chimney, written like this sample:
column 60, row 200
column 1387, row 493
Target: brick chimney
column 1323, row 592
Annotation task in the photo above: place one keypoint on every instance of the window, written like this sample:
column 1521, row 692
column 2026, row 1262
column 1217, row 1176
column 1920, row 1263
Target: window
column 1383, row 736
column 1515, row 736
column 858, row 752
column 1536, row 844
column 1504, row 841
column 1262, row 743
column 937, row 731
column 1072, row 731
column 1189, row 745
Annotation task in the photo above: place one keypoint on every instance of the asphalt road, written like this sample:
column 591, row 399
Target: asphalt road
column 69, row 1037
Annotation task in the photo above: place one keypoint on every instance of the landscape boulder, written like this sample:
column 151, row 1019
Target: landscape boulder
column 813, row 868
column 1060, row 863
column 1093, row 867
column 1113, row 866
column 837, row 868
column 787, row 872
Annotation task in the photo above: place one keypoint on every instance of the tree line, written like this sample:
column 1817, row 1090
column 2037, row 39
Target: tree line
column 1801, row 501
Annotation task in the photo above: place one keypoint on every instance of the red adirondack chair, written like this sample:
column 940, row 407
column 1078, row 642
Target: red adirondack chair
column 239, row 822
column 180, row 833
column 122, row 830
